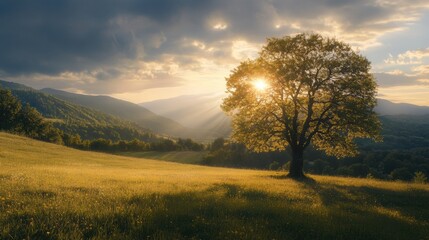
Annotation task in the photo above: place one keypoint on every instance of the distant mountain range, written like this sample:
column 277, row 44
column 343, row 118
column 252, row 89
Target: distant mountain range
column 203, row 111
column 196, row 116
column 195, row 111
column 385, row 107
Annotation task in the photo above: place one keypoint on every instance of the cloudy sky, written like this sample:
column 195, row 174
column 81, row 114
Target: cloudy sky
column 142, row 50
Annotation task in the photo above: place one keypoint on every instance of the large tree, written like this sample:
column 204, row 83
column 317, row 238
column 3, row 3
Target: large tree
column 301, row 90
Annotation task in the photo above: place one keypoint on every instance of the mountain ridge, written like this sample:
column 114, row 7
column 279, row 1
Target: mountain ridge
column 386, row 107
column 126, row 110
column 73, row 118
column 220, row 122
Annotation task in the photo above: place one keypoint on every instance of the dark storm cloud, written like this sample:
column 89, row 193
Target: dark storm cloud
column 53, row 36
column 101, row 39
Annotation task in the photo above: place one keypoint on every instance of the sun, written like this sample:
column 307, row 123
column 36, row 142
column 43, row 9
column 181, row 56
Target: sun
column 260, row 84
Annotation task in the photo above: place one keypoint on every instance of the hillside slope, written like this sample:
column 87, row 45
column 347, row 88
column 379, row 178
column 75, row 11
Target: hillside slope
column 48, row 191
column 73, row 118
column 126, row 110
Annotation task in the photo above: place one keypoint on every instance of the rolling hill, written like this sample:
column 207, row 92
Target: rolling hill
column 49, row 191
column 73, row 118
column 125, row 110
column 103, row 106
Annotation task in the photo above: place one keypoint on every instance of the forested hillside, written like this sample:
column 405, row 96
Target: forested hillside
column 76, row 119
column 125, row 110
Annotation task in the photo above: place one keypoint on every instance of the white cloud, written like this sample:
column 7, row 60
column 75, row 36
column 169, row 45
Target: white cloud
column 423, row 80
column 408, row 57
column 220, row 26
column 130, row 76
column 396, row 72
column 199, row 44
column 421, row 70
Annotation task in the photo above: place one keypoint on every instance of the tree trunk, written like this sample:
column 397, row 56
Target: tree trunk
column 296, row 165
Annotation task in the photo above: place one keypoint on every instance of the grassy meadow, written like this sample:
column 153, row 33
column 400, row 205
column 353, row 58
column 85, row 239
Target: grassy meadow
column 51, row 192
column 190, row 157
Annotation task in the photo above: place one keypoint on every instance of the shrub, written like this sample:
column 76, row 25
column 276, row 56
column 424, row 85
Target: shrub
column 419, row 177
column 369, row 176
column 274, row 165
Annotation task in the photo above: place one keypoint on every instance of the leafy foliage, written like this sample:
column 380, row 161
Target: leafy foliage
column 320, row 91
column 9, row 109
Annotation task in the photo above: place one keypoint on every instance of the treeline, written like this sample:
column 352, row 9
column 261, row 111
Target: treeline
column 26, row 120
column 404, row 164
column 89, row 131
column 107, row 145
column 390, row 165
column 229, row 154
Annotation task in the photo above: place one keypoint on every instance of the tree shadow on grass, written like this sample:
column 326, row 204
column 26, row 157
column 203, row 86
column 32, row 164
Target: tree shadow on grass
column 411, row 205
column 230, row 211
column 235, row 191
column 305, row 179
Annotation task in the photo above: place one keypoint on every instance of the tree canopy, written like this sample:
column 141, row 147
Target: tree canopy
column 303, row 89
column 25, row 120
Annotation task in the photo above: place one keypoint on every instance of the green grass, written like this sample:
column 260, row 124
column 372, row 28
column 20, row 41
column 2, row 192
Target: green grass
column 190, row 157
column 52, row 192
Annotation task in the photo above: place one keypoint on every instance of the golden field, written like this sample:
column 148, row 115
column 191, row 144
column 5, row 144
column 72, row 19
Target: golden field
column 49, row 191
